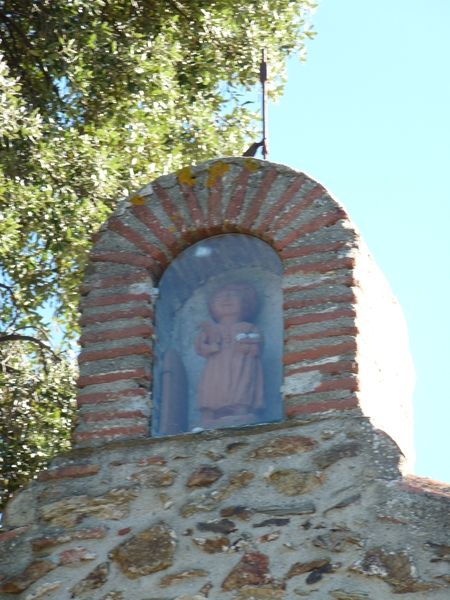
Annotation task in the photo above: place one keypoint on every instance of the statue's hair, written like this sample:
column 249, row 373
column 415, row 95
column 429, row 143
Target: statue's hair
column 250, row 303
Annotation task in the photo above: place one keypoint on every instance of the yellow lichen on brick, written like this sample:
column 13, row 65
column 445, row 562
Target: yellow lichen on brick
column 215, row 171
column 137, row 200
column 251, row 165
column 185, row 176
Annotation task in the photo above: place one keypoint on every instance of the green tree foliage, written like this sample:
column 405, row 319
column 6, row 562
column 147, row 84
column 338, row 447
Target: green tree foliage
column 97, row 97
column 36, row 412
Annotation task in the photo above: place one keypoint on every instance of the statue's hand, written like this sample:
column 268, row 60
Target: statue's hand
column 244, row 347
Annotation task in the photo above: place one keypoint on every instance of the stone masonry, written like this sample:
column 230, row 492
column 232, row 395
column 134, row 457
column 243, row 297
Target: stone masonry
column 318, row 505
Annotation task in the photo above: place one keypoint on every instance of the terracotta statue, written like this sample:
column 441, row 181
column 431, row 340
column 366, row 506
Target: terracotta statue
column 231, row 385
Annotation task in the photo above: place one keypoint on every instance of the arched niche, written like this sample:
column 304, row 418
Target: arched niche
column 214, row 368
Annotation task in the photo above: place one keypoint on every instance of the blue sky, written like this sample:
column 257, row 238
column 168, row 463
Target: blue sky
column 368, row 116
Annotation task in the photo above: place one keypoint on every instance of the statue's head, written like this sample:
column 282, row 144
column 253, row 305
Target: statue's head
column 238, row 300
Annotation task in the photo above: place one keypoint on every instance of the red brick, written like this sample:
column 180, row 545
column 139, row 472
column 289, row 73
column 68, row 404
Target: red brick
column 321, row 267
column 321, row 352
column 304, row 302
column 70, row 472
column 94, row 417
column 334, row 368
column 123, row 258
column 344, row 404
column 319, row 317
column 424, row 485
column 215, row 216
column 103, row 397
column 258, row 199
column 114, row 281
column 276, row 208
column 312, row 249
column 114, row 299
column 139, row 311
column 335, row 279
column 324, row 333
column 296, row 210
column 323, row 220
column 112, row 432
column 166, row 237
column 344, row 383
column 235, row 205
column 172, row 212
column 137, row 349
column 144, row 331
column 193, row 205
column 138, row 240
column 115, row 376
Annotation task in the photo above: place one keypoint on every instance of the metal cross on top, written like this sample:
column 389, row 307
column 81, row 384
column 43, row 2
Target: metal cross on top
column 263, row 144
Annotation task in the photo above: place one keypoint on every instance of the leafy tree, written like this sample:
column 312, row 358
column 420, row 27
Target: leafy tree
column 96, row 98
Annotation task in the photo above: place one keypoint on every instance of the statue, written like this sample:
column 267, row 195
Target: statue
column 230, row 391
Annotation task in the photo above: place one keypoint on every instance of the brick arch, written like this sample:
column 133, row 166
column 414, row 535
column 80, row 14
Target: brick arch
column 310, row 232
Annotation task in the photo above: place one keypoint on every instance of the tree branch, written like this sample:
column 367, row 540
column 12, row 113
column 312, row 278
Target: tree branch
column 17, row 337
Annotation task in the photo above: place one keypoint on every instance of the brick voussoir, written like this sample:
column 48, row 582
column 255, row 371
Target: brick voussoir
column 306, row 250
column 320, row 352
column 172, row 212
column 149, row 219
column 289, row 218
column 139, row 311
column 247, row 220
column 133, row 236
column 193, row 205
column 113, row 376
column 137, row 349
column 323, row 220
column 274, row 211
column 235, row 203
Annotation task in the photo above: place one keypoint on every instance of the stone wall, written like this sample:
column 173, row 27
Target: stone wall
column 315, row 507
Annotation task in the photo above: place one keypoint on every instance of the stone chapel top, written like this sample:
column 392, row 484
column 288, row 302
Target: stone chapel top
column 334, row 335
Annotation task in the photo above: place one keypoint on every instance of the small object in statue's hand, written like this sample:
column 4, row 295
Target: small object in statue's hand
column 241, row 336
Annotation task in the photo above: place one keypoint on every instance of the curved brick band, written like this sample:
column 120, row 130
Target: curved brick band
column 344, row 334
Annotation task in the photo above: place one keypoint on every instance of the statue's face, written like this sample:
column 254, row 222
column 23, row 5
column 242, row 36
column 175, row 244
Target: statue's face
column 227, row 304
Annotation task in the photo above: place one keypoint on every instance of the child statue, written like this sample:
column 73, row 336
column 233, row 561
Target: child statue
column 230, row 390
